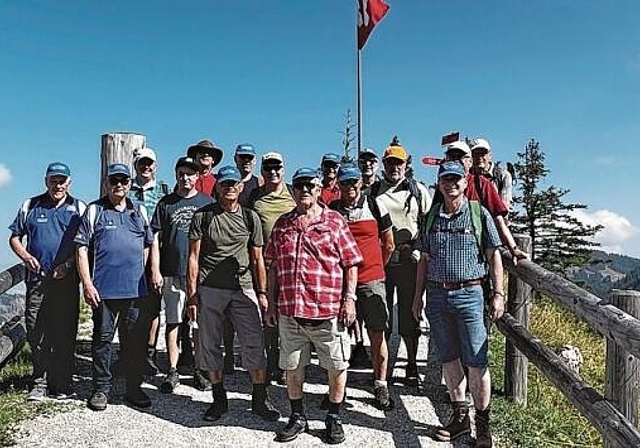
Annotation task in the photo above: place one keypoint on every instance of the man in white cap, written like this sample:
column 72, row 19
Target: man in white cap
column 483, row 165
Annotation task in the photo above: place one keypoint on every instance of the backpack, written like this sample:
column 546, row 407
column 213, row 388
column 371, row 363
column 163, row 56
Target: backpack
column 414, row 191
column 477, row 223
column 371, row 202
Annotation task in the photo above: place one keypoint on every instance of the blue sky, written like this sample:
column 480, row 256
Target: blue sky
column 281, row 75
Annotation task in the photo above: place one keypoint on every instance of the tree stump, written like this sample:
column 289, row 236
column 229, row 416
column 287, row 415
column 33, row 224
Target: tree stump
column 119, row 148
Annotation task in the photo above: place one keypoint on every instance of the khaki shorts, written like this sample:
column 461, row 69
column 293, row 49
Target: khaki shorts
column 330, row 339
column 175, row 298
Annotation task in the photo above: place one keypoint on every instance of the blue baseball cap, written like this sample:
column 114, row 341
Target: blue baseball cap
column 245, row 149
column 58, row 169
column 227, row 173
column 331, row 157
column 305, row 173
column 451, row 168
column 118, row 168
column 367, row 152
column 348, row 172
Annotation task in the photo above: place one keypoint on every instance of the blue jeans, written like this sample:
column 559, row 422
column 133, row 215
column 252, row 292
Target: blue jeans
column 457, row 325
column 136, row 330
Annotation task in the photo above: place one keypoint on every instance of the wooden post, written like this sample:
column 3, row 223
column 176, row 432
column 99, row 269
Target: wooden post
column 119, row 148
column 516, row 363
column 621, row 371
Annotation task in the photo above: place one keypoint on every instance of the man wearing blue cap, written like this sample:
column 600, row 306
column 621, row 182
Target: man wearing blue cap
column 118, row 231
column 245, row 158
column 459, row 246
column 370, row 224
column 369, row 164
column 329, row 166
column 225, row 246
column 50, row 221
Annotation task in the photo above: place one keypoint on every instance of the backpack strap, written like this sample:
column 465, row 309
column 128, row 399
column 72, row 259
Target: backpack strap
column 477, row 222
column 164, row 187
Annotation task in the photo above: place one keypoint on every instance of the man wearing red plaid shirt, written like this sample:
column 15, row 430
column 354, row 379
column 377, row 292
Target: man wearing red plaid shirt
column 312, row 283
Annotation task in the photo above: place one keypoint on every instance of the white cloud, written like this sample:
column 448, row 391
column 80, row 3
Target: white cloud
column 5, row 175
column 618, row 231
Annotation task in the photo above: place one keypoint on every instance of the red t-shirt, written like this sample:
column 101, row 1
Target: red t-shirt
column 488, row 195
column 330, row 194
column 205, row 183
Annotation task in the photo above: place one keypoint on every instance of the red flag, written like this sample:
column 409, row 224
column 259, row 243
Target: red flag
column 433, row 161
column 370, row 12
column 450, row 138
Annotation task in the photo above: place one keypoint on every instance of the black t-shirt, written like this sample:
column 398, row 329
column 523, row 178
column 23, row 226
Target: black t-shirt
column 172, row 217
column 249, row 186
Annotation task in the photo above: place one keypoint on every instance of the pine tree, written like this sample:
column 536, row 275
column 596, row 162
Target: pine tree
column 558, row 239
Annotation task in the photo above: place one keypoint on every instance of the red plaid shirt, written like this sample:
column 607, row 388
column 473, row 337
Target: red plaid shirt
column 310, row 263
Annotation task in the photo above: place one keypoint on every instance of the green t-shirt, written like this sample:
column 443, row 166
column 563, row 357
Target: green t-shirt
column 270, row 206
column 224, row 247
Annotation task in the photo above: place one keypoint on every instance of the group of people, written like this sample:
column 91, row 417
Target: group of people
column 288, row 268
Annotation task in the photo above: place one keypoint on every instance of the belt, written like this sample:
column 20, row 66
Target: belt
column 310, row 322
column 452, row 286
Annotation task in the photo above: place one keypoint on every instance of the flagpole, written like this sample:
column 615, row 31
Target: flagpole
column 359, row 105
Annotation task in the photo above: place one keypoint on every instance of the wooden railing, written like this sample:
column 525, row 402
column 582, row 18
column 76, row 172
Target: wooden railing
column 12, row 333
column 613, row 415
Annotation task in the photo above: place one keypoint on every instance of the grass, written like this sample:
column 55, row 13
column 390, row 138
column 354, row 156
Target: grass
column 549, row 420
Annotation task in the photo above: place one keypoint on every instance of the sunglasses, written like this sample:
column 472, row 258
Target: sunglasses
column 119, row 180
column 269, row 168
column 229, row 183
column 330, row 165
column 349, row 182
column 304, row 185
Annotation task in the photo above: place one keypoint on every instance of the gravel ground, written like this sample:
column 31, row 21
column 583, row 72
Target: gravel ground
column 175, row 420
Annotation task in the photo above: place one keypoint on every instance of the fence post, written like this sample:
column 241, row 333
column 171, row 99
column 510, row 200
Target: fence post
column 621, row 371
column 516, row 364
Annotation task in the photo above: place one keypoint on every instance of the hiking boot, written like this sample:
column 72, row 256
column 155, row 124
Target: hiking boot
column 170, row 381
column 150, row 366
column 383, row 398
column 278, row 376
column 37, row 393
column 217, row 409
column 360, row 359
column 229, row 366
column 296, row 425
column 264, row 409
column 483, row 431
column 333, row 433
column 98, row 401
column 459, row 424
column 200, row 380
column 64, row 393
column 137, row 397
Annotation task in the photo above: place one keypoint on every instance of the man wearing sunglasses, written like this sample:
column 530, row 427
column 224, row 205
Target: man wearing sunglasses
column 369, row 164
column 118, row 232
column 370, row 224
column 49, row 222
column 271, row 201
column 208, row 156
column 226, row 277
column 312, row 281
column 245, row 159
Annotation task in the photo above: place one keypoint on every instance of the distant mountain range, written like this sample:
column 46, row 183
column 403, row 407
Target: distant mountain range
column 605, row 272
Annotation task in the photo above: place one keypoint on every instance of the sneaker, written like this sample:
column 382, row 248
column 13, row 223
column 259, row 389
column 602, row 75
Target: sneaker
column 200, row 380
column 217, row 409
column 458, row 426
column 138, row 398
column 65, row 394
column 383, row 398
column 360, row 359
column 170, row 382
column 98, row 401
column 297, row 424
column 265, row 410
column 333, row 433
column 37, row 393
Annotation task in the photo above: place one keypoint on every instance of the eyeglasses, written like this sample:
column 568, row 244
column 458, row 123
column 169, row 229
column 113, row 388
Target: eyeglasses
column 393, row 161
column 119, row 180
column 330, row 166
column 245, row 156
column 270, row 168
column 368, row 160
column 304, row 185
column 349, row 182
column 203, row 154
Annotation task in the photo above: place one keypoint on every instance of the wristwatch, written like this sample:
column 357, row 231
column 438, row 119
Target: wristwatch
column 351, row 296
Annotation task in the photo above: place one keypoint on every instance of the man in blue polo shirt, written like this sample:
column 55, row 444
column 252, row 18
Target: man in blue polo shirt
column 119, row 234
column 49, row 221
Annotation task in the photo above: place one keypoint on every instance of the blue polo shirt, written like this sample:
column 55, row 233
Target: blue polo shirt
column 49, row 229
column 118, row 239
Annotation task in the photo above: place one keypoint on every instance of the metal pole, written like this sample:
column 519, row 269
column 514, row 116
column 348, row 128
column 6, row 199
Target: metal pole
column 359, row 106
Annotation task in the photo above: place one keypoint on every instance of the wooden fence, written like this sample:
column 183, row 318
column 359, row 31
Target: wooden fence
column 613, row 415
